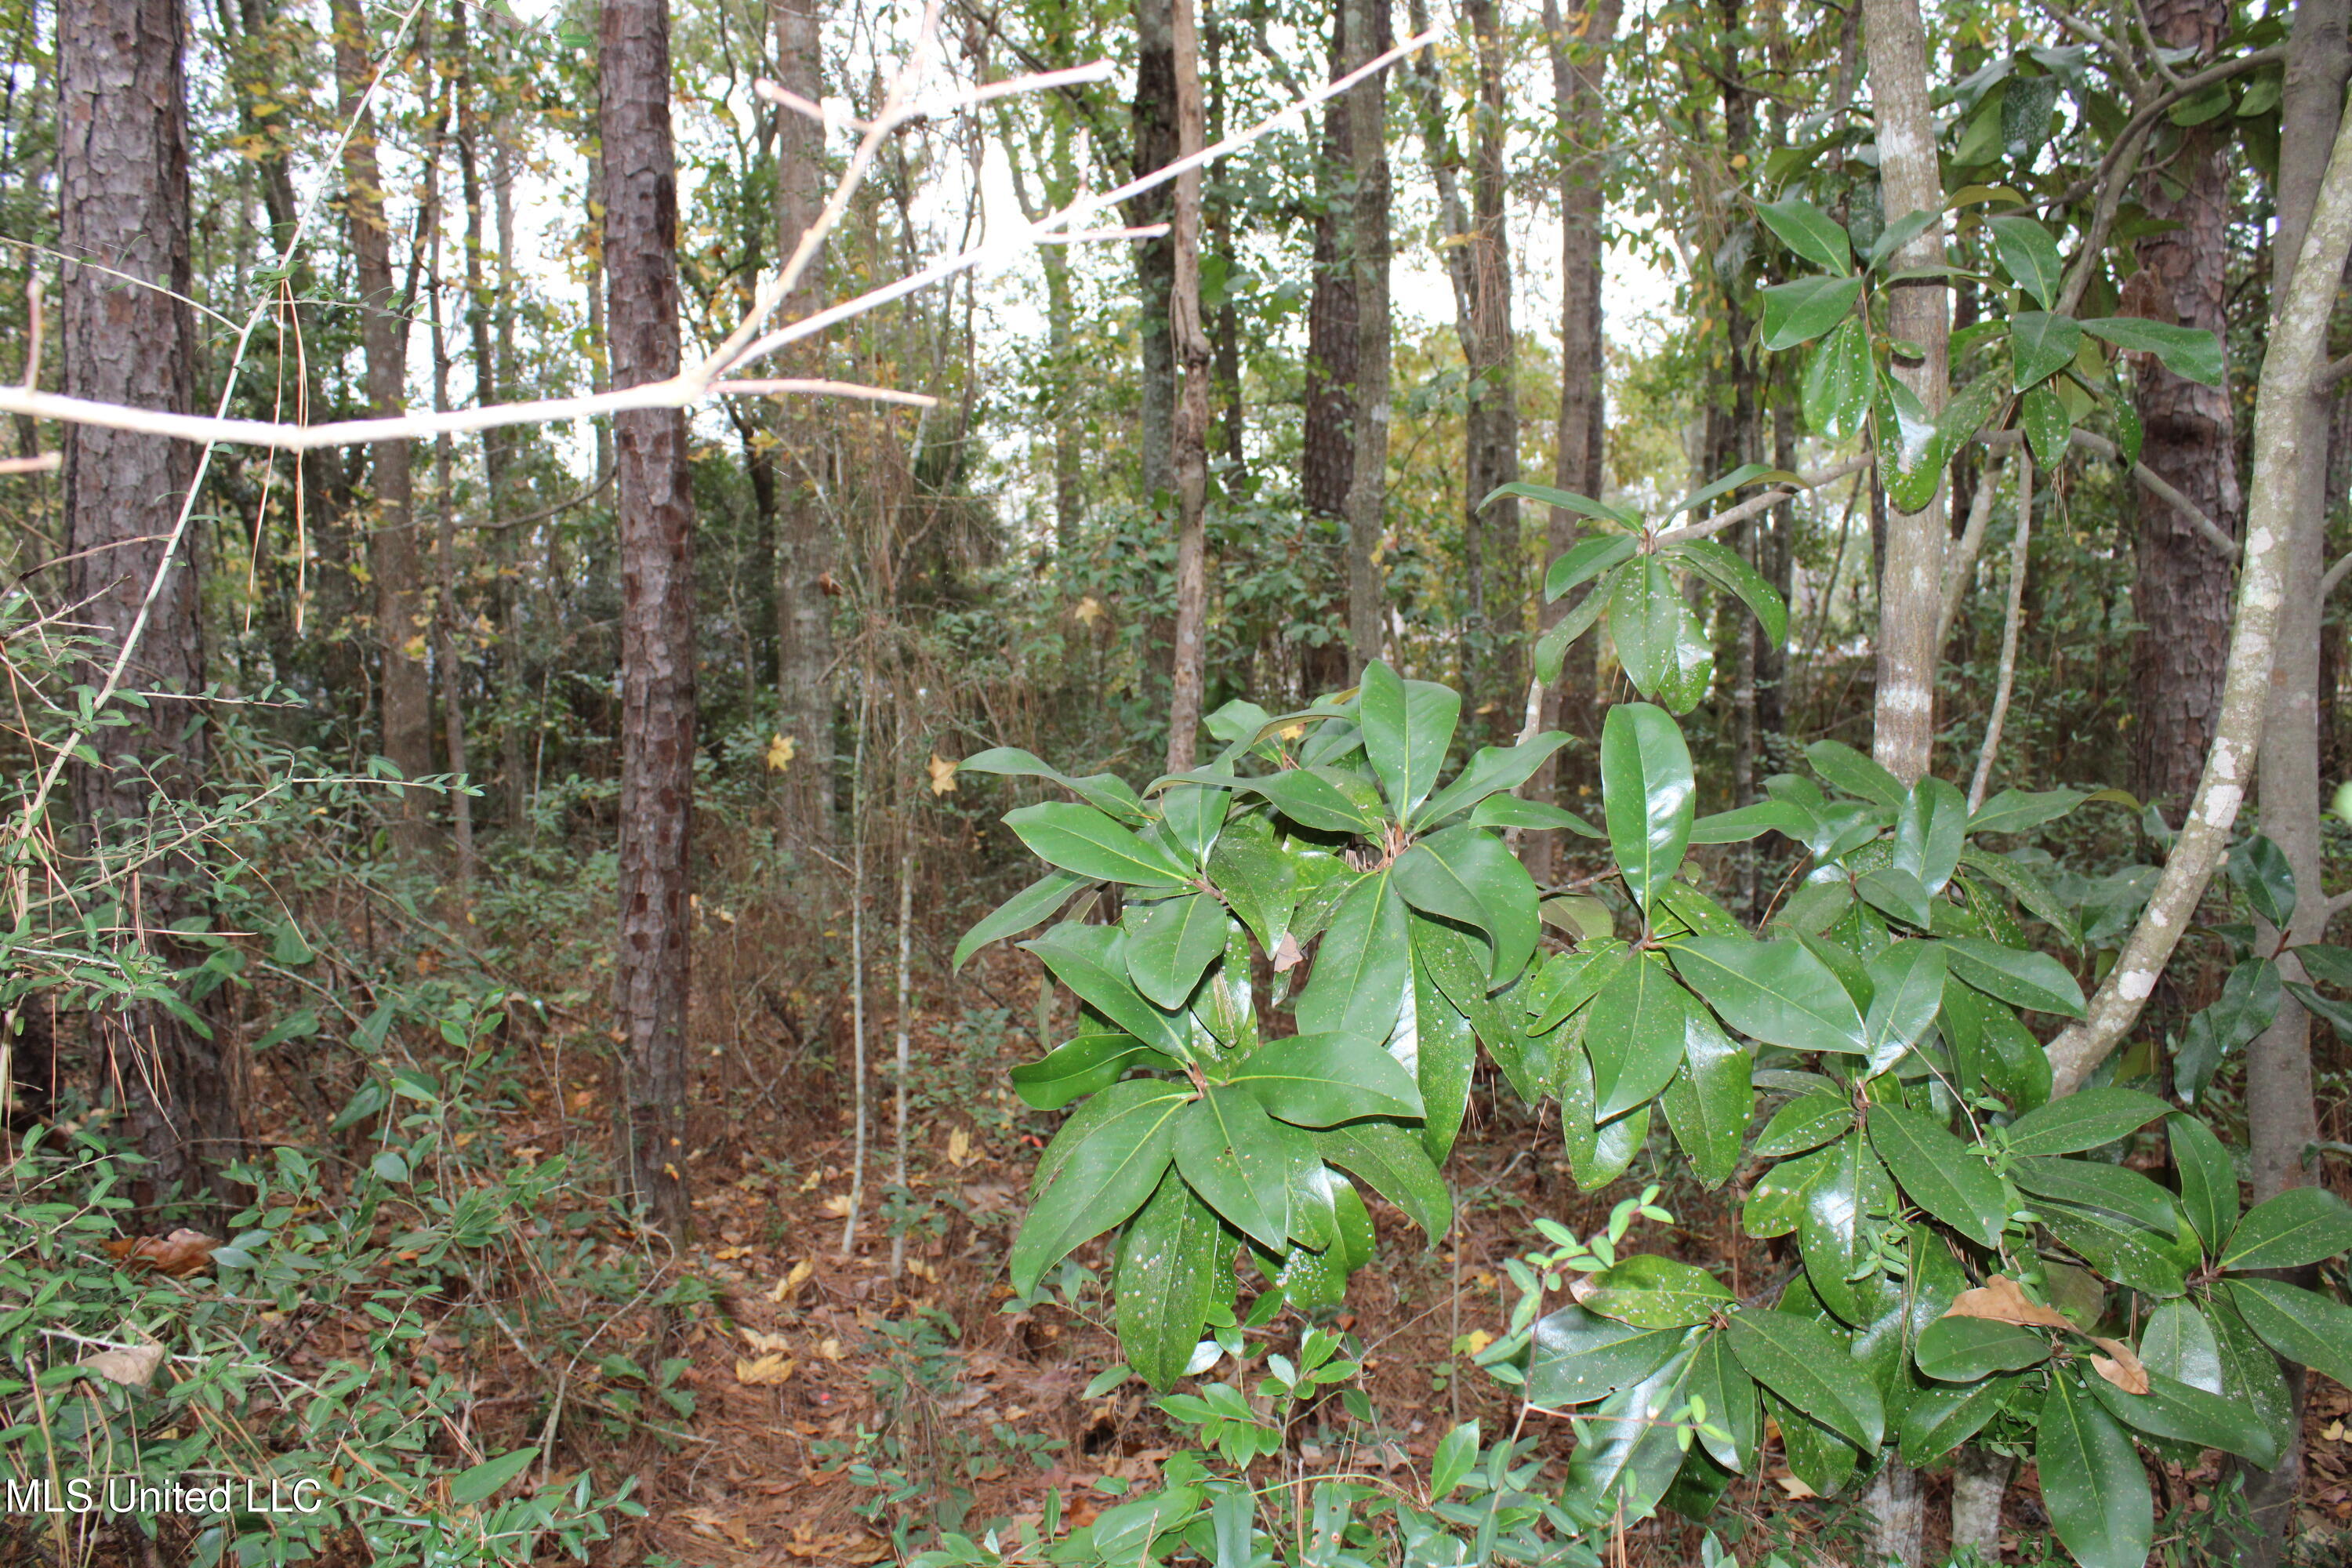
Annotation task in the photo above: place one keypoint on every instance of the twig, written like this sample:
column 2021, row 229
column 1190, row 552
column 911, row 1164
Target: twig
column 1764, row 503
column 2006, row 681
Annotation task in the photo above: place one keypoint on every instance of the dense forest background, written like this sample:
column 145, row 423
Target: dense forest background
column 481, row 986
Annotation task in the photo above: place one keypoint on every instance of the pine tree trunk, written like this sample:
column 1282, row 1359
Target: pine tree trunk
column 123, row 189
column 1192, row 424
column 1154, row 131
column 1327, row 462
column 2180, row 591
column 657, row 653
column 393, row 560
column 1579, row 45
column 1495, row 630
column 1370, row 33
column 804, row 544
column 1910, row 578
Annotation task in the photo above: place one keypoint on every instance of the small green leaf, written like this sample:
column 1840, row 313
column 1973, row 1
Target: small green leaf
column 1840, row 379
column 1809, row 232
column 1717, row 1377
column 2179, row 1344
column 1800, row 311
column 2090, row 1183
column 2029, row 255
column 1032, row 906
column 1711, row 1100
column 1962, row 1349
column 1081, row 839
column 2116, row 1248
column 480, row 1483
column 2040, row 345
column 1309, row 797
column 1456, row 1457
column 1806, row 1122
column 2190, row 352
column 2014, row 811
column 2048, row 426
column 2259, row 870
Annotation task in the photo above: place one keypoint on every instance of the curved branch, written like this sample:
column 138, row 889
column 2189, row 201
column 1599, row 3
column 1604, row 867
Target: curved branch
column 1763, row 502
column 2298, row 345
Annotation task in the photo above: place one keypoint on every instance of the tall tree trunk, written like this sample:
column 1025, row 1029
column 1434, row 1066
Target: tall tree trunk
column 407, row 701
column 122, row 194
column 1370, row 33
column 1491, row 539
column 1154, row 147
column 1328, row 442
column 2180, row 591
column 446, row 669
column 656, row 514
column 1579, row 46
column 1192, row 427
column 1910, row 577
column 805, row 548
column 2281, row 1113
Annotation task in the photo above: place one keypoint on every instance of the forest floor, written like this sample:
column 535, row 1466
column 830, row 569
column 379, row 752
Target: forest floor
column 844, row 1411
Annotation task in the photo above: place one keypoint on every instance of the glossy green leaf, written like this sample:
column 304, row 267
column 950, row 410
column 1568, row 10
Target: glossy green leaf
column 1962, row 1349
column 1407, row 726
column 1940, row 1172
column 1652, row 1292
column 1907, row 993
column 1583, row 505
column 2190, row 352
column 1363, row 965
column 1585, row 560
column 1752, row 822
column 1241, row 1161
column 1634, row 1038
column 2171, row 1408
column 2040, row 345
column 1192, row 815
column 2022, row 978
column 1855, row 774
column 1723, row 484
column 2179, row 1342
column 2300, row 1225
column 1940, row 1418
column 1107, row 793
column 1171, row 944
column 1817, row 1454
column 1722, row 565
column 1506, row 895
column 1092, row 961
column 2032, row 893
column 1098, row 1170
column 1080, row 1067
column 1800, row 311
column 1717, row 1378
column 1897, row 892
column 1493, row 771
column 1834, row 1229
column 2122, row 1251
column 1439, row 1048
column 1806, row 1122
column 1808, row 231
column 1259, row 882
column 1647, row 794
column 1569, row 980
column 1322, row 1080
column 2049, row 428
column 2090, row 1119
column 2090, row 1183
column 1032, row 906
column 1576, row 1357
column 1309, row 797
column 1930, row 831
column 2209, row 1180
column 1392, row 1162
column 2028, row 255
column 2326, row 964
column 1630, row 1453
column 2093, row 1487
column 1458, row 962
column 1775, row 992
column 2300, row 1325
column 1711, row 1100
column 2014, row 811
column 1802, row 1362
column 1841, row 379
column 2252, row 1377
column 1080, row 839
column 1597, row 1151
column 1174, row 1264
column 1661, row 644
column 1776, row 1204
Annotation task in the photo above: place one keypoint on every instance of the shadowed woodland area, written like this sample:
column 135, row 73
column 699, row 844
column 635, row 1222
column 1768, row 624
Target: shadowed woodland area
column 1214, row 782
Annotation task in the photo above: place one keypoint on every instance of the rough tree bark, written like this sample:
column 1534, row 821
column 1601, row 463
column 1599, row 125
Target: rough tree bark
column 122, row 190
column 804, row 649
column 393, row 560
column 1154, row 139
column 1910, row 582
column 1579, row 46
column 2181, row 590
column 1326, row 460
column 1371, row 35
column 1192, row 422
column 1491, row 538
column 656, row 517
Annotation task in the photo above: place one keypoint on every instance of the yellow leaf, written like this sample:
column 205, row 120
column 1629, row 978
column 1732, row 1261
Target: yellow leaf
column 729, row 1254
column 792, row 1281
column 830, row 1350
column 943, row 773
column 765, row 1371
column 960, row 1146
column 1089, row 610
column 763, row 1342
column 780, row 752
column 1474, row 1341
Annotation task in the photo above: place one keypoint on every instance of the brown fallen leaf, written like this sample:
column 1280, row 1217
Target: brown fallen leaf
column 2001, row 1300
column 1793, row 1487
column 768, row 1371
column 180, row 1253
column 2121, row 1365
column 1287, row 955
column 133, row 1366
column 762, row 1343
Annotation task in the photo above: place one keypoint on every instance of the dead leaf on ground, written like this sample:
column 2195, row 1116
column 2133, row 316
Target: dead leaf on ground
column 960, row 1146
column 1793, row 1487
column 133, row 1366
column 762, row 1341
column 2000, row 1300
column 768, row 1371
column 791, row 1282
column 2121, row 1365
column 180, row 1253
